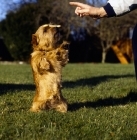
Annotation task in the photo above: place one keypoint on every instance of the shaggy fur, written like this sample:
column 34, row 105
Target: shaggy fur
column 50, row 54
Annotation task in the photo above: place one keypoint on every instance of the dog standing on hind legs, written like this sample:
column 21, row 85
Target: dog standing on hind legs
column 50, row 54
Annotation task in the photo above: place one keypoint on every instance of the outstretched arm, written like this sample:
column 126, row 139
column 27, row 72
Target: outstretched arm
column 112, row 8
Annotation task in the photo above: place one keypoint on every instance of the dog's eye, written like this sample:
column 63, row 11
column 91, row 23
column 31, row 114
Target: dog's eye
column 57, row 35
column 66, row 47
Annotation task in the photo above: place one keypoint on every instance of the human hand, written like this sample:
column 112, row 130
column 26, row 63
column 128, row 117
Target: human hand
column 87, row 10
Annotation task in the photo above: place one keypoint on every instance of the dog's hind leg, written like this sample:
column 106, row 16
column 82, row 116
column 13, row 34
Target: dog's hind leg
column 62, row 107
column 38, row 106
column 58, row 103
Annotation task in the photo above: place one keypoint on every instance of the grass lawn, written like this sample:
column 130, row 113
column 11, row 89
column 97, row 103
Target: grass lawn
column 102, row 104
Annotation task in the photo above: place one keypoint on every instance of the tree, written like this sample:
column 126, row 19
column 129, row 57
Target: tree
column 12, row 5
column 110, row 30
column 21, row 23
column 17, row 29
column 59, row 12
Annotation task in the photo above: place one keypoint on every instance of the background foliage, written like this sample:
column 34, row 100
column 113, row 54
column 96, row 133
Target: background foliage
column 87, row 36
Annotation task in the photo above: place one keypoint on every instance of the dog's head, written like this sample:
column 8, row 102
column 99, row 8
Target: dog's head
column 47, row 38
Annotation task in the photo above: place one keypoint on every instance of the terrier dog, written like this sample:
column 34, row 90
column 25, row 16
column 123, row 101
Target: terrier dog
column 50, row 54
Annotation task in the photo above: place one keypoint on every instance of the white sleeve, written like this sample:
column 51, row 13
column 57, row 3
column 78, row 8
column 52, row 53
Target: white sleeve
column 120, row 6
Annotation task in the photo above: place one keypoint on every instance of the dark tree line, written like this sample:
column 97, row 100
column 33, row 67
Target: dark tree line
column 90, row 39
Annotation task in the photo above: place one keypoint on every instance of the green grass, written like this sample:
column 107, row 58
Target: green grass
column 102, row 104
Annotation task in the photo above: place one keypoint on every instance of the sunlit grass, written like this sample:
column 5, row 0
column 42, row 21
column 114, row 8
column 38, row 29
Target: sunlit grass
column 102, row 104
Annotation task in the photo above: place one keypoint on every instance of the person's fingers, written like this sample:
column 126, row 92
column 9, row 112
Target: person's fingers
column 82, row 11
column 82, row 15
column 76, row 10
column 78, row 4
column 77, row 13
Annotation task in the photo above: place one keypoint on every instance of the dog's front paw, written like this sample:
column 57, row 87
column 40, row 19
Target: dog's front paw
column 44, row 64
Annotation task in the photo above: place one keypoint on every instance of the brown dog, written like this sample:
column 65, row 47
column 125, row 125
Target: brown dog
column 50, row 54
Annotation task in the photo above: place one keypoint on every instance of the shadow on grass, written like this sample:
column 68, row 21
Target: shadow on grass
column 5, row 88
column 131, row 97
column 93, row 81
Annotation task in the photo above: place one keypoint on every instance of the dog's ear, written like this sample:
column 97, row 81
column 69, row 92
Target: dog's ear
column 34, row 40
